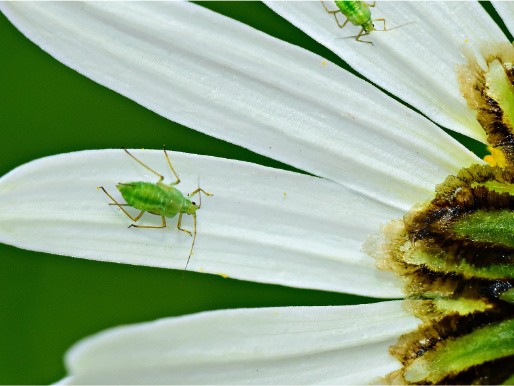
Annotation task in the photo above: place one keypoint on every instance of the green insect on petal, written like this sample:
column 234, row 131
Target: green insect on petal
column 158, row 199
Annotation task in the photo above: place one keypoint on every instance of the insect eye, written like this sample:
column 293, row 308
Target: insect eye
column 194, row 203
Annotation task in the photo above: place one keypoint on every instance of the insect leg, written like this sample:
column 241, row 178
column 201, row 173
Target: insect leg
column 326, row 9
column 119, row 205
column 334, row 13
column 382, row 20
column 199, row 190
column 363, row 34
column 148, row 226
column 179, row 223
column 369, row 5
column 171, row 167
column 146, row 167
column 193, row 243
column 339, row 24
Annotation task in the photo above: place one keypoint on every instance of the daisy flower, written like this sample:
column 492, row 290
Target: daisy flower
column 368, row 159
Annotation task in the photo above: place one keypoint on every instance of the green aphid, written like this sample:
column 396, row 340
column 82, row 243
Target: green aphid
column 160, row 199
column 357, row 13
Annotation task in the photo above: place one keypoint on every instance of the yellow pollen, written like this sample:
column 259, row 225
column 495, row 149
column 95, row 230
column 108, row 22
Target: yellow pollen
column 324, row 63
column 223, row 275
column 465, row 41
column 284, row 193
column 496, row 158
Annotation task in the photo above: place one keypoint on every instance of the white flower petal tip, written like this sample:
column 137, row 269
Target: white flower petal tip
column 261, row 224
column 295, row 345
column 415, row 62
column 226, row 79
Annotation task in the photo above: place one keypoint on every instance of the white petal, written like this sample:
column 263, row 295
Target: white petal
column 415, row 62
column 221, row 77
column 506, row 10
column 261, row 224
column 295, row 345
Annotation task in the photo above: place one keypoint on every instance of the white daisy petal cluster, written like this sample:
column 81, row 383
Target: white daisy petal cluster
column 369, row 157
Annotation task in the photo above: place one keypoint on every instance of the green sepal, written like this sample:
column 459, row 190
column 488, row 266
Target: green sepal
column 485, row 344
column 509, row 381
column 496, row 227
column 439, row 263
column 508, row 296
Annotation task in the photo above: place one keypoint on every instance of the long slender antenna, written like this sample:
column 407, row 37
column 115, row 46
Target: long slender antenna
column 398, row 26
column 377, row 30
column 193, row 244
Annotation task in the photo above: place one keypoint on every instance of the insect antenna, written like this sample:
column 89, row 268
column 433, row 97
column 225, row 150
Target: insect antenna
column 377, row 30
column 398, row 26
column 194, row 238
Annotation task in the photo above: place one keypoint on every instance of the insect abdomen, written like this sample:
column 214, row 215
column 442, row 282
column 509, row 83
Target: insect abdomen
column 144, row 196
column 357, row 12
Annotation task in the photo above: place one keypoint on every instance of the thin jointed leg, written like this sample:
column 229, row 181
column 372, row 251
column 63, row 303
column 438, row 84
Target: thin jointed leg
column 326, row 9
column 200, row 190
column 120, row 206
column 363, row 34
column 149, row 226
column 179, row 224
column 335, row 16
column 382, row 20
column 171, row 167
column 146, row 167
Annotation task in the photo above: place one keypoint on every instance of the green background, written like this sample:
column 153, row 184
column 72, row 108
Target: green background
column 49, row 302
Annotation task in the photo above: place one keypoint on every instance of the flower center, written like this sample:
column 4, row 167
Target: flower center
column 455, row 253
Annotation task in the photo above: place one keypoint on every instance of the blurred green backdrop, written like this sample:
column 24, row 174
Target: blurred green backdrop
column 49, row 302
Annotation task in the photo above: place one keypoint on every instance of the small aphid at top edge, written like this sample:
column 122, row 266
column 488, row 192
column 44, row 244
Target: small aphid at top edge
column 359, row 14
